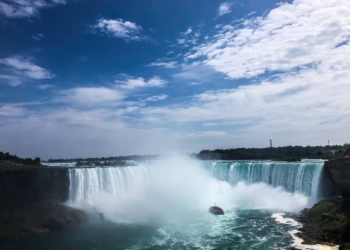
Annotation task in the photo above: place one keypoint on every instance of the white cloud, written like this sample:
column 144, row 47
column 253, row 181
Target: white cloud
column 189, row 37
column 11, row 110
column 292, row 35
column 207, row 133
column 18, row 69
column 131, row 83
column 45, row 86
column 38, row 37
column 224, row 8
column 25, row 8
column 188, row 31
column 308, row 101
column 26, row 68
column 195, row 83
column 118, row 28
column 167, row 65
column 156, row 98
column 91, row 96
column 196, row 73
column 181, row 41
column 10, row 80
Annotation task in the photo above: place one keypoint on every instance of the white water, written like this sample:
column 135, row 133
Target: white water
column 280, row 217
column 300, row 177
column 171, row 188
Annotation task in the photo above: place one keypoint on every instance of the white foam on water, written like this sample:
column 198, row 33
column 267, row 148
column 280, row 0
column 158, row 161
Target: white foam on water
column 298, row 244
column 284, row 220
column 279, row 217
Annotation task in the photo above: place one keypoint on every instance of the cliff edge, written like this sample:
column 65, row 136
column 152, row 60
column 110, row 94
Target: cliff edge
column 340, row 173
column 31, row 200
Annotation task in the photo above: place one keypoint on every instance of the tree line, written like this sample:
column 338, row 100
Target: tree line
column 18, row 160
column 278, row 153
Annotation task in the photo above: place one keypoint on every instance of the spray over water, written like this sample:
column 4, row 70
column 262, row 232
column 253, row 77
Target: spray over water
column 169, row 189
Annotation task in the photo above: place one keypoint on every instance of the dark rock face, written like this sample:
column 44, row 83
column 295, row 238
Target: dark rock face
column 340, row 173
column 30, row 202
column 24, row 186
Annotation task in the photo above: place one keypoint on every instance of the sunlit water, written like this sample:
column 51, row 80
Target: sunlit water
column 165, row 206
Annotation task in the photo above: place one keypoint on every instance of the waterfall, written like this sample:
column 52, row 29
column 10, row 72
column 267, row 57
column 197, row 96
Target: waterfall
column 87, row 183
column 302, row 177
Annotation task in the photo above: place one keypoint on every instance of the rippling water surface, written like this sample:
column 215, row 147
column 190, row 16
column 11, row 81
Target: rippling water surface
column 237, row 229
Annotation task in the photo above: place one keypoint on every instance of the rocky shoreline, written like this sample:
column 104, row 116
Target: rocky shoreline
column 326, row 223
column 37, row 218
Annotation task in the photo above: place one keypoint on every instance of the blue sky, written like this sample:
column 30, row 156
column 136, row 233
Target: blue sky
column 85, row 78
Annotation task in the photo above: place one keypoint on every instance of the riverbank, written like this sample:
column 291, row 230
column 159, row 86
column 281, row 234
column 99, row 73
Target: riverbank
column 37, row 218
column 326, row 223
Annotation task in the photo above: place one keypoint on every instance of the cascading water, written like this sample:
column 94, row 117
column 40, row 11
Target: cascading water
column 193, row 183
column 301, row 177
column 88, row 183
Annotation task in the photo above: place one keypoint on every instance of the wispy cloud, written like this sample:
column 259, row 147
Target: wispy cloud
column 189, row 37
column 25, row 8
column 224, row 8
column 38, row 37
column 156, row 98
column 289, row 104
column 207, row 133
column 131, row 83
column 45, row 86
column 11, row 110
column 290, row 36
column 10, row 80
column 168, row 65
column 91, row 96
column 197, row 74
column 18, row 69
column 188, row 31
column 118, row 28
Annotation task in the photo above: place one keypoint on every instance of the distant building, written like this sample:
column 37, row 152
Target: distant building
column 270, row 143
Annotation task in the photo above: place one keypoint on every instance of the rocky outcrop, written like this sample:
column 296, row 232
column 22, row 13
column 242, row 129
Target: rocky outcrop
column 340, row 174
column 326, row 222
column 37, row 218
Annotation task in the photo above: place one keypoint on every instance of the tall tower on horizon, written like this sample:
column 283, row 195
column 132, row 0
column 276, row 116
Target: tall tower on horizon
column 270, row 143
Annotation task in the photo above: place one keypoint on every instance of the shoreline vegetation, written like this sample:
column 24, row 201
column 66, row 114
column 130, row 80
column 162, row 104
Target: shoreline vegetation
column 326, row 223
column 288, row 153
